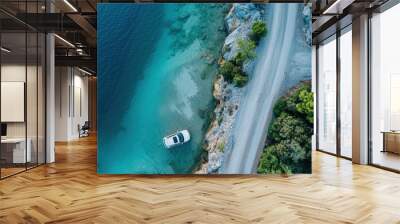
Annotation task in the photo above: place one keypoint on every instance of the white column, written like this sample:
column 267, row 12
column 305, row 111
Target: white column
column 313, row 89
column 50, row 99
column 360, row 90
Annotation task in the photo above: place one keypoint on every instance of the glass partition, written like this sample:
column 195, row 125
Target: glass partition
column 327, row 95
column 23, row 91
column 14, row 153
column 346, row 93
column 385, row 89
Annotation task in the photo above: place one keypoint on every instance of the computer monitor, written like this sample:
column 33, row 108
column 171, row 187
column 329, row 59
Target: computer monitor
column 3, row 129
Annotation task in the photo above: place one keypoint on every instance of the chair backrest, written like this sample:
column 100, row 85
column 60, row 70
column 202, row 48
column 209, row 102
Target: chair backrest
column 86, row 124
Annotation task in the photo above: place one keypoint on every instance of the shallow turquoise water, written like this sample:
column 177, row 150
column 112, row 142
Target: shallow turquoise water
column 156, row 66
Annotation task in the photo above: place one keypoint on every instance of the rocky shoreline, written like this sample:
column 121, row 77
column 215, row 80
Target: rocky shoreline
column 238, row 24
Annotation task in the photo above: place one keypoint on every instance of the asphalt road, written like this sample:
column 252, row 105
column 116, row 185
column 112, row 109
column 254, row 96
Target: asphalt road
column 250, row 130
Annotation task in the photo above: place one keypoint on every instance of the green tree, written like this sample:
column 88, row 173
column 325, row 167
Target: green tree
column 233, row 73
column 302, row 101
column 283, row 158
column 239, row 59
column 289, row 134
column 289, row 127
column 240, row 80
column 237, row 71
column 246, row 51
column 259, row 30
column 280, row 106
column 270, row 162
column 306, row 104
column 226, row 70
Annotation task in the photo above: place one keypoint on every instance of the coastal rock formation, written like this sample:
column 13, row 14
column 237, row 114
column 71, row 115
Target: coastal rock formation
column 240, row 13
column 238, row 24
column 228, row 101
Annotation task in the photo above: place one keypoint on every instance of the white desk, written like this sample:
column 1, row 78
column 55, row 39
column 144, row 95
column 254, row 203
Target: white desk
column 19, row 155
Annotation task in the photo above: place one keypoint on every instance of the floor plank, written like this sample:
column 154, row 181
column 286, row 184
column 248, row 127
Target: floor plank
column 70, row 191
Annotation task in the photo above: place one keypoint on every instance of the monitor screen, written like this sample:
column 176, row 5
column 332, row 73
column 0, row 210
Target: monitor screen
column 3, row 129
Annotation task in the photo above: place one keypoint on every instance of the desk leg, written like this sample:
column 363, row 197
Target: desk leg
column 384, row 142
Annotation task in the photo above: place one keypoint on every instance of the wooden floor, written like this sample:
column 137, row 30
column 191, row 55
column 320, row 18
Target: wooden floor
column 70, row 191
column 5, row 172
column 387, row 159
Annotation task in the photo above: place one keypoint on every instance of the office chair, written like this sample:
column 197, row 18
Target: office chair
column 84, row 130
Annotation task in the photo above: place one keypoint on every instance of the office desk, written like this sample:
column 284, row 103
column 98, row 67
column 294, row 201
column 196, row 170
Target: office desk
column 391, row 141
column 15, row 148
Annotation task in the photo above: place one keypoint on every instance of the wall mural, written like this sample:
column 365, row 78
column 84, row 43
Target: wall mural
column 204, row 88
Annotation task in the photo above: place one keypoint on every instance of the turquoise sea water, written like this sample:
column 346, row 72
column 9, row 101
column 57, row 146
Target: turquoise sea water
column 156, row 66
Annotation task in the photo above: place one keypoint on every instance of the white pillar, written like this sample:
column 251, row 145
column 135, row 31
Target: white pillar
column 50, row 99
column 360, row 90
column 313, row 89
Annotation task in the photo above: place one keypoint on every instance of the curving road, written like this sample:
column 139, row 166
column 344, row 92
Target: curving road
column 250, row 130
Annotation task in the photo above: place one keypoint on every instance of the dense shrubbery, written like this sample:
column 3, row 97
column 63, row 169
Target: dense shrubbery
column 289, row 135
column 300, row 102
column 232, row 70
column 233, row 73
column 306, row 104
column 246, row 51
column 259, row 30
column 227, row 70
column 240, row 80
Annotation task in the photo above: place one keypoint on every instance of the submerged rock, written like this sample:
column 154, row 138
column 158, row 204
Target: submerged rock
column 184, row 16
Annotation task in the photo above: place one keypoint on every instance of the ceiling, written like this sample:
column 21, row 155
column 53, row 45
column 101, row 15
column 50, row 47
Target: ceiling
column 331, row 15
column 75, row 23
